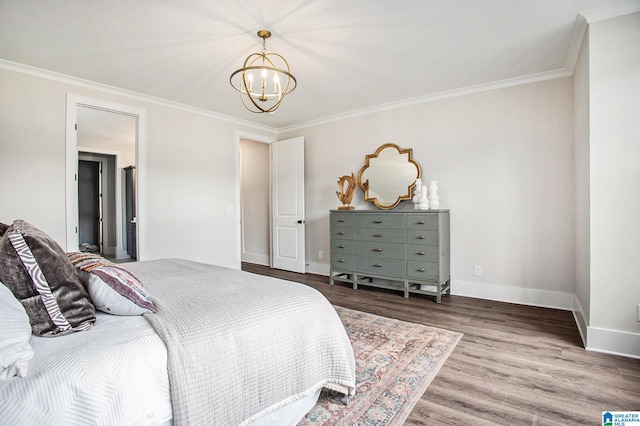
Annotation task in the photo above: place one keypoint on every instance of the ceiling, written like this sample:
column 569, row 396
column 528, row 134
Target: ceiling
column 346, row 55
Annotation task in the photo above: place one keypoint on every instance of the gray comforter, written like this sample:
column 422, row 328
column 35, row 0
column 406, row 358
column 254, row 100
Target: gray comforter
column 242, row 345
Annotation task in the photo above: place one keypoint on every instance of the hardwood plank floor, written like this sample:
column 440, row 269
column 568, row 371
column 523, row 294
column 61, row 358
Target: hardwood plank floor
column 515, row 364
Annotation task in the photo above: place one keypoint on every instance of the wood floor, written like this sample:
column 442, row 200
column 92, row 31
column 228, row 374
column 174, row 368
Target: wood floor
column 515, row 364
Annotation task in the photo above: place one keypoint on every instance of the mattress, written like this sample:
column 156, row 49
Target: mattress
column 113, row 374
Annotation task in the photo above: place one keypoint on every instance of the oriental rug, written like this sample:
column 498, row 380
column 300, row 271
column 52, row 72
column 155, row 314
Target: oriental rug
column 395, row 362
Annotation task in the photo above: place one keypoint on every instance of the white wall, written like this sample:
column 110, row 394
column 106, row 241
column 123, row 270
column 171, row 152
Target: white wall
column 192, row 196
column 614, row 75
column 504, row 162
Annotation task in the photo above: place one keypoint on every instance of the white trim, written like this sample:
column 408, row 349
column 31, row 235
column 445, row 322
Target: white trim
column 510, row 294
column 613, row 342
column 66, row 79
column 510, row 82
column 318, row 268
column 259, row 259
column 612, row 11
column 240, row 134
column 72, row 166
column 581, row 321
column 579, row 31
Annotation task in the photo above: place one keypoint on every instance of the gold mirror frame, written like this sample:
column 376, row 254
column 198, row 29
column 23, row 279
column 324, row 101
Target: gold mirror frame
column 386, row 174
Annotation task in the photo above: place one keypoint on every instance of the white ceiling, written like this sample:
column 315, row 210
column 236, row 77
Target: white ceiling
column 346, row 55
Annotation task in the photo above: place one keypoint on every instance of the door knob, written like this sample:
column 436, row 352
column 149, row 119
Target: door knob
column 301, row 221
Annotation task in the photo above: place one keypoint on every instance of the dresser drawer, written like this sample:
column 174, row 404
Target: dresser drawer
column 342, row 233
column 422, row 270
column 342, row 262
column 422, row 253
column 417, row 236
column 342, row 219
column 373, row 265
column 381, row 235
column 380, row 250
column 422, row 221
column 380, row 221
column 342, row 246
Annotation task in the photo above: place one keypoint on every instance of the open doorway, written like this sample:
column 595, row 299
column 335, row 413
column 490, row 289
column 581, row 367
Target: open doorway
column 106, row 149
column 90, row 207
column 271, row 178
column 254, row 202
column 114, row 136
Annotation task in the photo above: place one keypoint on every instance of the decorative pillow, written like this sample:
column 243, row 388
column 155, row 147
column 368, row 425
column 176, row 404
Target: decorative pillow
column 113, row 288
column 15, row 350
column 37, row 271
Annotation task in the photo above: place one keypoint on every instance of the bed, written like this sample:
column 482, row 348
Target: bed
column 222, row 347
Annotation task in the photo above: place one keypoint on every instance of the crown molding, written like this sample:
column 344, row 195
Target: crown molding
column 75, row 81
column 614, row 11
column 486, row 87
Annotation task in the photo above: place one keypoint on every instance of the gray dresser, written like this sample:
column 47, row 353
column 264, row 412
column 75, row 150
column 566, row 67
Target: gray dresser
column 406, row 251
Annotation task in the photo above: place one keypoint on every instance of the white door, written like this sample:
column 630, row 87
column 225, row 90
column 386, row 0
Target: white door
column 287, row 205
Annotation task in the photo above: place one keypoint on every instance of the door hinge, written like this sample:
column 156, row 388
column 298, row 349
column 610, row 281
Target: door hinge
column 76, row 126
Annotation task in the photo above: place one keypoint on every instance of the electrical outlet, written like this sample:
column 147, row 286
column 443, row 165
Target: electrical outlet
column 320, row 254
column 477, row 270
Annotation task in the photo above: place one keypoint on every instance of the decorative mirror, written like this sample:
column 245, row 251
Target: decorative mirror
column 388, row 176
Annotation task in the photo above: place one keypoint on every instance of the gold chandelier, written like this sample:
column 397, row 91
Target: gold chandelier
column 264, row 79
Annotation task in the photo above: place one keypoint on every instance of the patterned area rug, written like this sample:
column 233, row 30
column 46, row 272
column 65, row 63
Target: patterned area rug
column 395, row 362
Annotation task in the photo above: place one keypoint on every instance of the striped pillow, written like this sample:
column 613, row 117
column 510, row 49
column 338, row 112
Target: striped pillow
column 35, row 268
column 113, row 289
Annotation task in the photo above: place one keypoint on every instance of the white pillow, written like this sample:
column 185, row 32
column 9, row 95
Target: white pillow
column 107, row 299
column 113, row 288
column 15, row 350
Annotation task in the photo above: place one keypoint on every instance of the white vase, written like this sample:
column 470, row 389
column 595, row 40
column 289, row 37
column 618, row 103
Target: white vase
column 434, row 199
column 417, row 192
column 424, row 201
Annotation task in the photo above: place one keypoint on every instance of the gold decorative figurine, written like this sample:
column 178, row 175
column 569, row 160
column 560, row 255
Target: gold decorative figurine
column 345, row 195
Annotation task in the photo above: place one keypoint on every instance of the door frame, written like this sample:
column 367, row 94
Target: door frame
column 71, row 166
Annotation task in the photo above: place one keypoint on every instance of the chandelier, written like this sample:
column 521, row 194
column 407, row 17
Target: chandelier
column 264, row 79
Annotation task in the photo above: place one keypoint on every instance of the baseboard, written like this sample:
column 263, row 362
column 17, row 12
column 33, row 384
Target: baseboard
column 318, row 268
column 599, row 340
column 519, row 295
column 613, row 342
column 260, row 259
column 581, row 321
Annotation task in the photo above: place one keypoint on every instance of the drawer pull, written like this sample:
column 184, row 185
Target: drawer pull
column 340, row 233
column 377, row 221
column 421, row 253
column 377, row 265
column 340, row 221
column 377, row 235
column 421, row 237
column 420, row 222
column 377, row 250
column 340, row 260
column 420, row 270
column 341, row 246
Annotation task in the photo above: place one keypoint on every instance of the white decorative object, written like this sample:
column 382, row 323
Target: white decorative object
column 417, row 193
column 434, row 200
column 424, row 201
